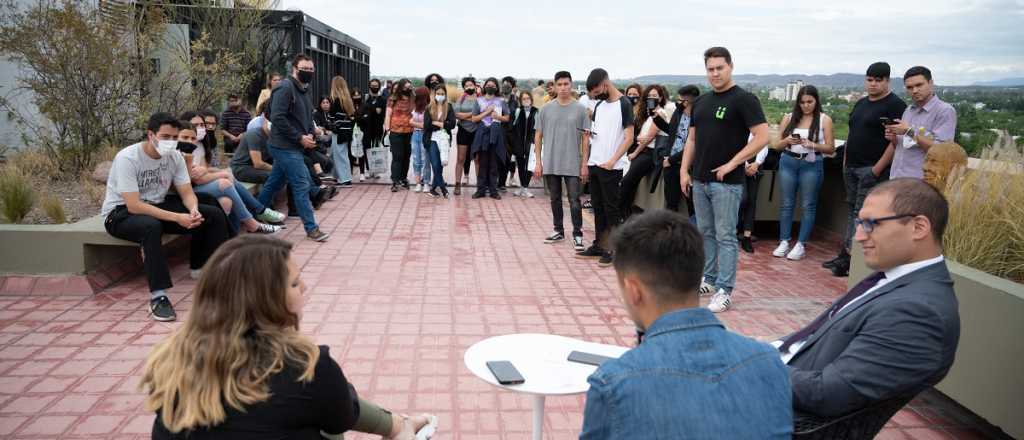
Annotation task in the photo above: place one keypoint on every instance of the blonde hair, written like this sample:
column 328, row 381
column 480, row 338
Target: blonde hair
column 340, row 93
column 238, row 335
column 439, row 110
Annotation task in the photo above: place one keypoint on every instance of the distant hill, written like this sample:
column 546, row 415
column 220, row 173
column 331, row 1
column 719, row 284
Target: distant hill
column 1005, row 82
column 833, row 80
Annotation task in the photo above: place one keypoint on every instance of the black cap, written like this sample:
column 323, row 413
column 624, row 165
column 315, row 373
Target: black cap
column 879, row 70
column 596, row 77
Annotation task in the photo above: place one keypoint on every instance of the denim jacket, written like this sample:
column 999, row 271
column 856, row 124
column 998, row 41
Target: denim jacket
column 691, row 379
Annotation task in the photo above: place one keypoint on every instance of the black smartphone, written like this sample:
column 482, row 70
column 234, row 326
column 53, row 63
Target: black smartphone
column 796, row 136
column 652, row 104
column 886, row 121
column 505, row 372
column 588, row 358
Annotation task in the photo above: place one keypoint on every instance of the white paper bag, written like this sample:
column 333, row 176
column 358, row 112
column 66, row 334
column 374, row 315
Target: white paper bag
column 377, row 160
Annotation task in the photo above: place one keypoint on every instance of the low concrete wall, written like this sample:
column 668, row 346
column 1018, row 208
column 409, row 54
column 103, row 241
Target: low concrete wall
column 986, row 376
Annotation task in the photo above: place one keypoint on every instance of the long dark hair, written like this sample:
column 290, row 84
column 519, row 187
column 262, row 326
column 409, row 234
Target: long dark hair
column 798, row 114
column 641, row 105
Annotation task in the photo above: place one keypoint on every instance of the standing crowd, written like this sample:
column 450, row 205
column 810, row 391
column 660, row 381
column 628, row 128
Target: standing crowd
column 708, row 150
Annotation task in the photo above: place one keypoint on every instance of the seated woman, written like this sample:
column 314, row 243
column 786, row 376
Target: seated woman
column 236, row 200
column 240, row 368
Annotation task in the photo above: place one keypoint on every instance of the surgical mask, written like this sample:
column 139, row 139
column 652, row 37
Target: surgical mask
column 527, row 104
column 439, row 98
column 164, row 147
column 305, row 76
column 200, row 133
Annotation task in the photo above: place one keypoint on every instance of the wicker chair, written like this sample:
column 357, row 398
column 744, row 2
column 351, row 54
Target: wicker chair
column 864, row 423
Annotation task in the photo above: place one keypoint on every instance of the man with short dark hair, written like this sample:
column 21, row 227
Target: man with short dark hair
column 137, row 207
column 688, row 366
column 868, row 152
column 291, row 132
column 562, row 138
column 717, row 148
column 610, row 136
column 896, row 332
column 928, row 121
column 233, row 122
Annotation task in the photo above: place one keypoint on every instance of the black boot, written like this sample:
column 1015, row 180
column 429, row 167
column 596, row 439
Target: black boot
column 842, row 267
column 843, row 255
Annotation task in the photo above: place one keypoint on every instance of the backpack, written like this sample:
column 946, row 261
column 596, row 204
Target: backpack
column 624, row 105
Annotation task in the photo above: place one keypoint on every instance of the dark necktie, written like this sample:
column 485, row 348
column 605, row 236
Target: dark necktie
column 855, row 292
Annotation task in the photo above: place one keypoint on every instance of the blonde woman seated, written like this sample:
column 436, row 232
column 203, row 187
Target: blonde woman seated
column 240, row 368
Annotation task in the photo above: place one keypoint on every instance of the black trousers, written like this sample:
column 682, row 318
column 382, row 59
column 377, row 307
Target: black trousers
column 573, row 187
column 604, row 197
column 638, row 169
column 521, row 160
column 748, row 207
column 148, row 231
column 401, row 152
column 487, row 179
column 674, row 192
column 250, row 174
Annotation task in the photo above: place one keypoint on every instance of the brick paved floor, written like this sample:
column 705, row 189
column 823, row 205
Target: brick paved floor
column 403, row 287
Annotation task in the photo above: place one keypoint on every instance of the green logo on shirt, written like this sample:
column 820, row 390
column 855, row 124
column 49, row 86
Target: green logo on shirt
column 720, row 114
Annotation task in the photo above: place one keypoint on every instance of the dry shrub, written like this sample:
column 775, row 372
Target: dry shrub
column 95, row 191
column 986, row 215
column 54, row 209
column 16, row 194
column 35, row 162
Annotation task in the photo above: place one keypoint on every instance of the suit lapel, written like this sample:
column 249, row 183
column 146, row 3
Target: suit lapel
column 934, row 271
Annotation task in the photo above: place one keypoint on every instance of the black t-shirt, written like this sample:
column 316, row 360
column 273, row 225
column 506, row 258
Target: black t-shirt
column 295, row 410
column 723, row 121
column 867, row 142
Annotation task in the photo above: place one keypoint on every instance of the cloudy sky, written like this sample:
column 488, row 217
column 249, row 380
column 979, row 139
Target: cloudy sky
column 962, row 41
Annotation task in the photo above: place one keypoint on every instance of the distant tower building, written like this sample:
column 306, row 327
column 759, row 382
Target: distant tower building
column 777, row 94
column 792, row 89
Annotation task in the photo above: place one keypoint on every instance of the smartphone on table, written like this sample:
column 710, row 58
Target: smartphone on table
column 505, row 372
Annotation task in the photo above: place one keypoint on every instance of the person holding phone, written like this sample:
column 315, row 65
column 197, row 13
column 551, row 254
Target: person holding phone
column 807, row 135
column 928, row 121
column 650, row 140
column 867, row 152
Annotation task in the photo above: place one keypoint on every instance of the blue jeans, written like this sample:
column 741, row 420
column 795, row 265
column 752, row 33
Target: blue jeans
column 796, row 174
column 420, row 161
column 342, row 170
column 717, row 206
column 243, row 205
column 290, row 168
column 434, row 156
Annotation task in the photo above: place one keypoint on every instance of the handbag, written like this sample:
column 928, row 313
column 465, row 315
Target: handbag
column 356, row 146
column 386, row 140
column 444, row 145
column 377, row 160
column 531, row 161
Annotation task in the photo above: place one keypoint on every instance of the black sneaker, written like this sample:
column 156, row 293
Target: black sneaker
column 746, row 245
column 444, row 192
column 394, row 187
column 594, row 251
column 502, row 189
column 495, row 196
column 606, row 260
column 162, row 310
column 577, row 243
column 479, row 194
column 327, row 177
column 554, row 237
column 320, row 198
column 332, row 191
column 433, row 192
column 841, row 268
column 587, row 205
column 843, row 255
column 405, row 184
column 345, row 184
column 317, row 235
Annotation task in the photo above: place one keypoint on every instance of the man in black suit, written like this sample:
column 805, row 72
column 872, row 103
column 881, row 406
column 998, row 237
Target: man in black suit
column 894, row 334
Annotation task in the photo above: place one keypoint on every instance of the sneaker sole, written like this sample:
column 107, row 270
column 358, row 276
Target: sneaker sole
column 319, row 239
column 549, row 241
column 794, row 258
column 587, row 257
column 600, row 264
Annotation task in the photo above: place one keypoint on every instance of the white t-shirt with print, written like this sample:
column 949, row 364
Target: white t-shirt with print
column 134, row 171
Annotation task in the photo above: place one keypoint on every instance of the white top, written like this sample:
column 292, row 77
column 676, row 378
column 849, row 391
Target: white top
column 134, row 171
column 607, row 134
column 667, row 112
column 890, row 276
column 587, row 102
column 540, row 359
column 805, row 133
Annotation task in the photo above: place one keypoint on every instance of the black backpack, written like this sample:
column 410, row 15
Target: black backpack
column 624, row 105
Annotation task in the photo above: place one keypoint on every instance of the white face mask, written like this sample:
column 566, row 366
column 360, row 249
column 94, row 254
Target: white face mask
column 200, row 133
column 526, row 105
column 439, row 98
column 165, row 147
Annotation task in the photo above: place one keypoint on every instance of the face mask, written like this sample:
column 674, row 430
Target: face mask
column 506, row 89
column 470, row 91
column 439, row 98
column 602, row 97
column 633, row 99
column 526, row 105
column 200, row 133
column 374, row 90
column 305, row 77
column 434, row 84
column 164, row 147
column 490, row 90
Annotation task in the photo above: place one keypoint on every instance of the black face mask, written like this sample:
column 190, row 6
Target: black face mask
column 433, row 84
column 490, row 91
column 305, row 77
column 602, row 97
column 633, row 99
column 470, row 91
column 374, row 90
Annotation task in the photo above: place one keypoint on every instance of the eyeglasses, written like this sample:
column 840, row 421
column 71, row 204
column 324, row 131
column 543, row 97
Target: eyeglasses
column 869, row 224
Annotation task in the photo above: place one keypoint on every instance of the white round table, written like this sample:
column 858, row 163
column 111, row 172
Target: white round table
column 542, row 360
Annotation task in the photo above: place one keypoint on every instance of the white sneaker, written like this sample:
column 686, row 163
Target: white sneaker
column 705, row 288
column 527, row 193
column 797, row 252
column 720, row 302
column 465, row 180
column 361, row 177
column 270, row 216
column 513, row 183
column 195, row 273
column 419, row 188
column 782, row 249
